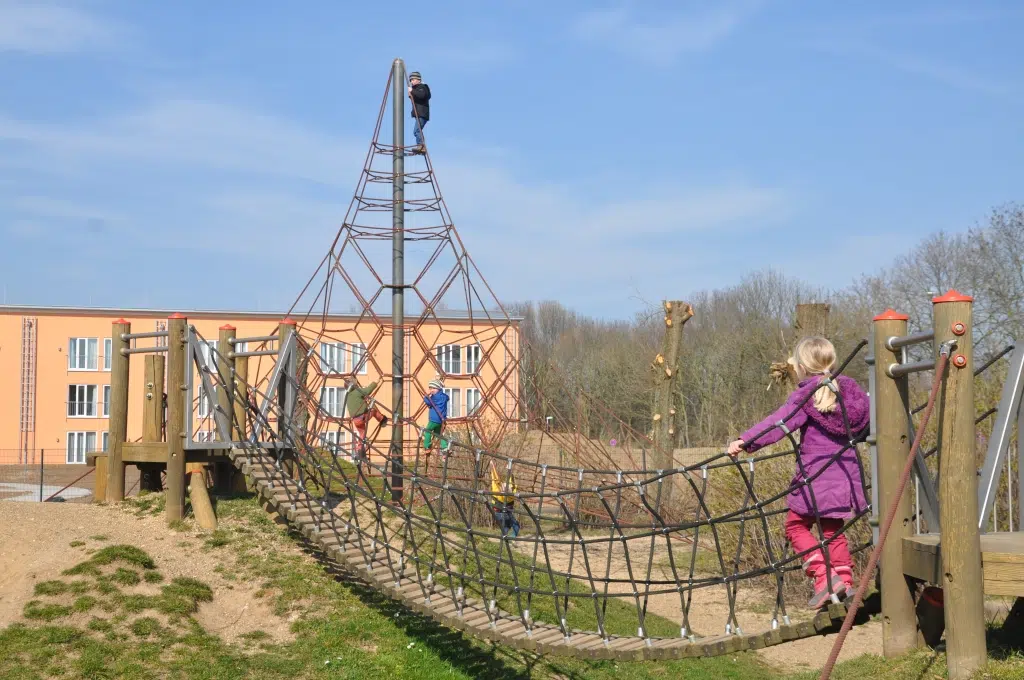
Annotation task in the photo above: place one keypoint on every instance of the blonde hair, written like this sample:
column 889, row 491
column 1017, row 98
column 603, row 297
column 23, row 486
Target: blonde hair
column 816, row 356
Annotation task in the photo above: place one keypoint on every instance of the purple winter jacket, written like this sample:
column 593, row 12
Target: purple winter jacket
column 839, row 490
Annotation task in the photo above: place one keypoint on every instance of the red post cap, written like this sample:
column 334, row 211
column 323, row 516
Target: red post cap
column 952, row 296
column 891, row 315
column 227, row 327
column 176, row 315
column 289, row 321
column 119, row 321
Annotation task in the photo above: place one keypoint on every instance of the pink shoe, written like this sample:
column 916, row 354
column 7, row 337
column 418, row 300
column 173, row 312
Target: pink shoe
column 822, row 597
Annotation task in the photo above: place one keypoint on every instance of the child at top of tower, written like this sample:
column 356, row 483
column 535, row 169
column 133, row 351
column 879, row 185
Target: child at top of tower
column 419, row 92
column 828, row 412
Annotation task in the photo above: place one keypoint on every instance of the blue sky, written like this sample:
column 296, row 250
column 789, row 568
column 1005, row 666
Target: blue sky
column 595, row 153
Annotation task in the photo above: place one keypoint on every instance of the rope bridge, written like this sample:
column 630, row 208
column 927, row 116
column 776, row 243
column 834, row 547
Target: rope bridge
column 600, row 564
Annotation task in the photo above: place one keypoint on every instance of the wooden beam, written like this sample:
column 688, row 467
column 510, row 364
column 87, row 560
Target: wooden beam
column 899, row 618
column 199, row 494
column 177, row 364
column 812, row 319
column 666, row 370
column 962, row 580
column 118, row 422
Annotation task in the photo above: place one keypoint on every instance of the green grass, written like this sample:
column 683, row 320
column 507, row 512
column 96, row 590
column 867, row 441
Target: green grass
column 343, row 629
column 153, row 577
column 100, row 537
column 84, row 604
column 126, row 577
column 76, row 544
column 40, row 611
column 50, row 588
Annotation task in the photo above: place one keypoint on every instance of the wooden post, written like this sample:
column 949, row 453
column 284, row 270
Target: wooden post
column 812, row 319
column 118, row 424
column 241, row 399
column 666, row 369
column 224, row 471
column 199, row 494
column 176, row 366
column 241, row 378
column 962, row 584
column 899, row 618
column 99, row 494
column 152, row 419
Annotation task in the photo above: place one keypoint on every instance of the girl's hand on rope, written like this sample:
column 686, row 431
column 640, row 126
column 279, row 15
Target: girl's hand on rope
column 735, row 447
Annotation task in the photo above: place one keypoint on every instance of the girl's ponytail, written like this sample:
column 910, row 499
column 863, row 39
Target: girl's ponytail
column 816, row 356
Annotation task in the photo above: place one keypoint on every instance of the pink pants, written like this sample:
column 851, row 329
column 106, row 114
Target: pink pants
column 802, row 532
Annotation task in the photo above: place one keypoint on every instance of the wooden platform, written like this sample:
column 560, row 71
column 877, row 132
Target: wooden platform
column 370, row 559
column 1002, row 558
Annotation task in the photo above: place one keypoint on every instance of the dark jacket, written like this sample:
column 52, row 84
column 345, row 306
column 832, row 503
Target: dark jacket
column 421, row 98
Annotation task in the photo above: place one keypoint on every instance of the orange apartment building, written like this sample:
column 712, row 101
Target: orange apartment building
column 55, row 371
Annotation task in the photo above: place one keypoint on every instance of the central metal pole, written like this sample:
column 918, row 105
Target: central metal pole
column 398, row 277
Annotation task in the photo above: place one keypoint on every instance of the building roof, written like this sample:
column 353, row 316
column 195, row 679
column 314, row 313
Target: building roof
column 46, row 310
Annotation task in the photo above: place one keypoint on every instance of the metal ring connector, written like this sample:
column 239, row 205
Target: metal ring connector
column 959, row 360
column 959, row 328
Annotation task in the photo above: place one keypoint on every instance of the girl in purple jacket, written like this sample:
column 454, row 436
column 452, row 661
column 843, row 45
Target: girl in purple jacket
column 836, row 493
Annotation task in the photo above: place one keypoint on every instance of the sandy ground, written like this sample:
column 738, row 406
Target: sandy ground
column 34, row 547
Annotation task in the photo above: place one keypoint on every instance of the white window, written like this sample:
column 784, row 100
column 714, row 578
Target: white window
column 472, row 358
column 79, row 444
column 206, row 436
column 449, row 357
column 332, row 357
column 108, row 348
column 473, row 399
column 241, row 346
column 359, row 358
column 106, row 441
column 331, row 400
column 82, row 354
column 106, row 401
column 206, row 404
column 454, row 402
column 81, row 401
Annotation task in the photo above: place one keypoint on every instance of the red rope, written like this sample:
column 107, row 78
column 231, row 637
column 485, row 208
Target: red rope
column 940, row 369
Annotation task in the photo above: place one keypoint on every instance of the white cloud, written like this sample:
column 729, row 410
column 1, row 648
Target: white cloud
column 202, row 133
column 259, row 190
column 44, row 29
column 662, row 38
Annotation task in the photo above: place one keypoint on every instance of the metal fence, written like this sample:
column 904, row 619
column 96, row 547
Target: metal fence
column 44, row 475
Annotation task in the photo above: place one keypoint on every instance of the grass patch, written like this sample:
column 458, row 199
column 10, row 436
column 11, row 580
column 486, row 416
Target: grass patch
column 50, row 588
column 128, row 554
column 99, row 625
column 181, row 597
column 178, row 525
column 84, row 604
column 218, row 539
column 126, row 577
column 145, row 627
column 153, row 577
column 76, row 544
column 36, row 610
column 100, row 537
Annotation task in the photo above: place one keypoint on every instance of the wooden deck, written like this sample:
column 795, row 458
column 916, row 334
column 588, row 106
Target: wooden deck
column 1002, row 559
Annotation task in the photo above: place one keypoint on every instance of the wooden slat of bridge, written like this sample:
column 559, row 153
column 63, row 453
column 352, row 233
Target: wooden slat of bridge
column 328, row 531
column 1002, row 561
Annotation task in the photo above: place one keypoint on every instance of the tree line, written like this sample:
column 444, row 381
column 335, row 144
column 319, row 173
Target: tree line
column 737, row 332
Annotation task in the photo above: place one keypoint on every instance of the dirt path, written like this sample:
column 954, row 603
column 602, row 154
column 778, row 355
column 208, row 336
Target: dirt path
column 35, row 546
